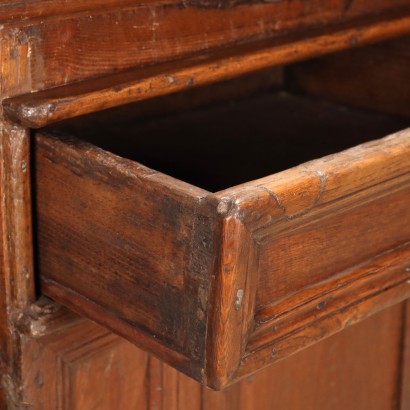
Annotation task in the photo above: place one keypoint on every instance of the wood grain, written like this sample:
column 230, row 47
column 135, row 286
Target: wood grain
column 311, row 201
column 16, row 252
column 375, row 77
column 344, row 371
column 354, row 369
column 39, row 109
column 293, row 253
column 144, row 247
column 49, row 357
column 75, row 364
column 67, row 48
column 233, row 303
column 170, row 389
column 14, row 12
column 324, row 315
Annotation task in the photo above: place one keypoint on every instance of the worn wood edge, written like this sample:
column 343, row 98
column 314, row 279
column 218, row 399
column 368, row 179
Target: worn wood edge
column 84, row 306
column 77, row 150
column 232, row 300
column 42, row 108
column 44, row 316
column 340, row 178
column 283, row 226
column 381, row 298
column 16, row 220
column 14, row 12
column 361, row 158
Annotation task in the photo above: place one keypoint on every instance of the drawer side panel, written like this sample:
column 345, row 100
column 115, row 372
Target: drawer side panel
column 132, row 248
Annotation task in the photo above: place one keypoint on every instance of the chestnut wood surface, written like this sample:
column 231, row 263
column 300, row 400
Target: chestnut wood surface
column 70, row 363
column 333, row 374
column 14, row 11
column 16, row 253
column 49, row 357
column 173, row 281
column 44, row 47
column 42, row 108
column 146, row 254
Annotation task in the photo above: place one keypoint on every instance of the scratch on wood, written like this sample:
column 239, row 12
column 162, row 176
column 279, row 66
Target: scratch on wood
column 33, row 321
column 323, row 180
column 274, row 196
column 225, row 4
column 154, row 25
column 225, row 206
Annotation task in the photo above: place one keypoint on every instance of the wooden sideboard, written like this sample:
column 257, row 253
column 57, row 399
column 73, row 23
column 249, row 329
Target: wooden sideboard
column 205, row 195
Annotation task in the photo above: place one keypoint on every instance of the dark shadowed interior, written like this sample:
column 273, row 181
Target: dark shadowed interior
column 229, row 143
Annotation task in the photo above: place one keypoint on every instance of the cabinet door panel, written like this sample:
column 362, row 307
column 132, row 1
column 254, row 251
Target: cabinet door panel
column 78, row 365
column 355, row 369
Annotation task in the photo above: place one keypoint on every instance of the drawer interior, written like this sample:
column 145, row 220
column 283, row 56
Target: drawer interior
column 226, row 134
column 232, row 142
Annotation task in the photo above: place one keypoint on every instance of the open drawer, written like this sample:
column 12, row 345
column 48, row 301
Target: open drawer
column 228, row 237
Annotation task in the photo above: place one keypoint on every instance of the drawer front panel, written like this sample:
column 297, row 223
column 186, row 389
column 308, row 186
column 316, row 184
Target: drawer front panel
column 328, row 243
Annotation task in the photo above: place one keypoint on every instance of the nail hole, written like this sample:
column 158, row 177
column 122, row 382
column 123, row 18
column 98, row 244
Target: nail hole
column 239, row 298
